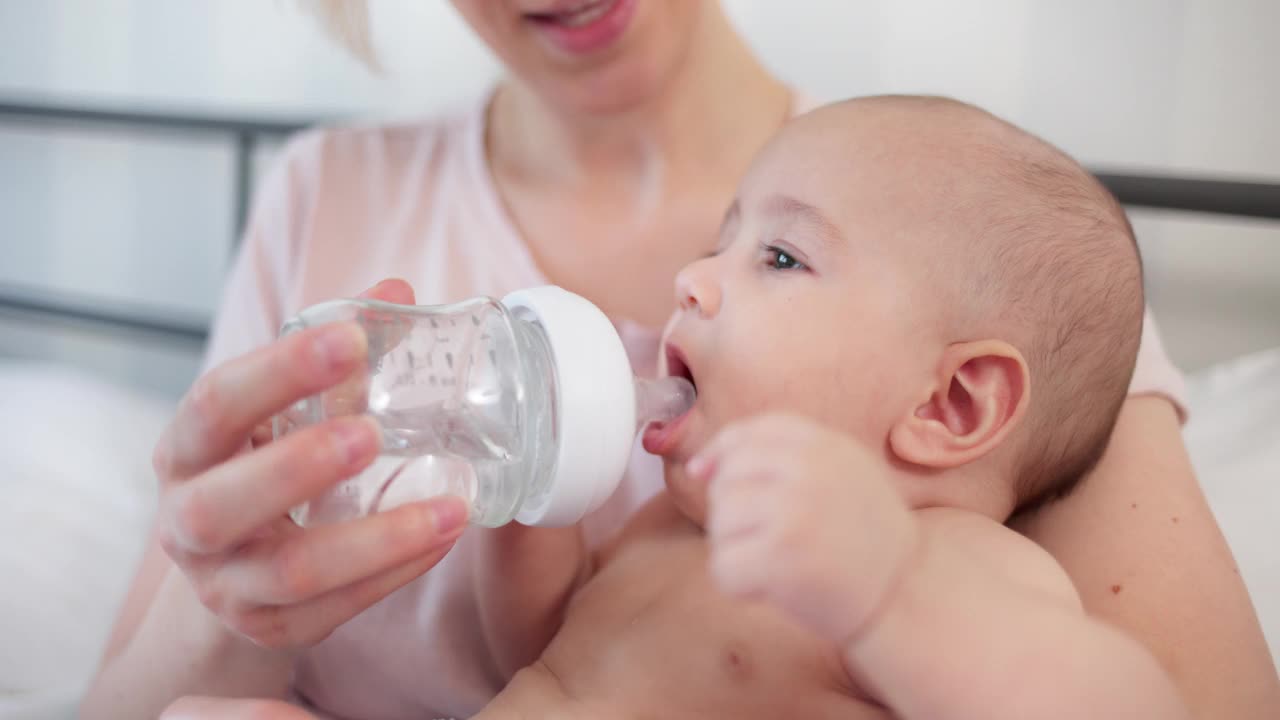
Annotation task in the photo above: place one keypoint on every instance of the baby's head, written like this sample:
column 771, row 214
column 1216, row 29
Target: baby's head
column 929, row 279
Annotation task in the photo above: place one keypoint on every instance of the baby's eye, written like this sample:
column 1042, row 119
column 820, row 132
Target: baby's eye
column 779, row 259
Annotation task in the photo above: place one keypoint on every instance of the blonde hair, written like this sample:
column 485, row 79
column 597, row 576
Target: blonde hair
column 346, row 21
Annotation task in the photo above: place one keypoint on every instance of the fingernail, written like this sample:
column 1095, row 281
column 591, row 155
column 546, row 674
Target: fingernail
column 339, row 345
column 356, row 440
column 450, row 515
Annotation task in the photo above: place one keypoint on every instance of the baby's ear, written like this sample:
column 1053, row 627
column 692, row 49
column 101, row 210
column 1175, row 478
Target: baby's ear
column 980, row 392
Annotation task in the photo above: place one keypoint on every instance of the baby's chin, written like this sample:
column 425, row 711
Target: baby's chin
column 689, row 497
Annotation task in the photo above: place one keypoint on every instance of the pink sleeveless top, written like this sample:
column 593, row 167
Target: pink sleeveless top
column 343, row 209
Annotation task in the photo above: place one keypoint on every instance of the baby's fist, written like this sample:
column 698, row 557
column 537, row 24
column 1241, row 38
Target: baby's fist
column 804, row 518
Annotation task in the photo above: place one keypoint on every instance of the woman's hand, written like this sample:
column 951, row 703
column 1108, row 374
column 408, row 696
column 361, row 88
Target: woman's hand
column 226, row 490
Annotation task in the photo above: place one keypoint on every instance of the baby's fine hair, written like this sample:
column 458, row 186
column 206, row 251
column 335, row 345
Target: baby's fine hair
column 1054, row 261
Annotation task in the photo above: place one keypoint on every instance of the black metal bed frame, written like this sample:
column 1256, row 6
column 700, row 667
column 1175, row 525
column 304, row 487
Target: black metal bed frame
column 1238, row 198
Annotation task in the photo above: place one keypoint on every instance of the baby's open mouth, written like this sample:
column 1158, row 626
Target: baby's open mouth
column 677, row 366
column 660, row 438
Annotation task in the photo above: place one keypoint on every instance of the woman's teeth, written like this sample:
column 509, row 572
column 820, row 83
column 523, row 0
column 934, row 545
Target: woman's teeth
column 585, row 13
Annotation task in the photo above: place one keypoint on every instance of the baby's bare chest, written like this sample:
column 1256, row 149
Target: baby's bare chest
column 651, row 633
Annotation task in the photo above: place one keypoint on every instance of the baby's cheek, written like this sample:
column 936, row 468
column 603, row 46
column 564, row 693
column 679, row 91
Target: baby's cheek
column 856, row 392
column 759, row 381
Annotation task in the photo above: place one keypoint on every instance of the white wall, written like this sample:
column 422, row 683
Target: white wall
column 252, row 54
column 1190, row 86
column 1180, row 86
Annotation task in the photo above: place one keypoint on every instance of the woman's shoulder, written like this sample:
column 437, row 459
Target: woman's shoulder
column 348, row 205
column 383, row 183
column 1154, row 372
column 347, row 152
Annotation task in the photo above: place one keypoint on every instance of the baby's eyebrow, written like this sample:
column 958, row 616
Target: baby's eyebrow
column 728, row 225
column 789, row 208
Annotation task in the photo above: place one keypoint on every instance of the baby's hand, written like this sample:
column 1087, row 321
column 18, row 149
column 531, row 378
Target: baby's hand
column 804, row 518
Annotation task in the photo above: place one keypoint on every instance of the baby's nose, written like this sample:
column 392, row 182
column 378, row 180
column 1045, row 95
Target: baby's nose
column 688, row 301
column 697, row 289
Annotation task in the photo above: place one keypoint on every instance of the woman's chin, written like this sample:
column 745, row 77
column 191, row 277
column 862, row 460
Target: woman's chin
column 620, row 86
column 619, row 82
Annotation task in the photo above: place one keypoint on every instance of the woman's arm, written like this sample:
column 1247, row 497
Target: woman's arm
column 166, row 644
column 1145, row 553
column 525, row 579
column 229, row 587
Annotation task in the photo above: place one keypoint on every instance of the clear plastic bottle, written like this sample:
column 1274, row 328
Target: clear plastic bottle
column 527, row 407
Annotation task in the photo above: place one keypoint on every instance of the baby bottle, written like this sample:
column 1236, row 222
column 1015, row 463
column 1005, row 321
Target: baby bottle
column 526, row 407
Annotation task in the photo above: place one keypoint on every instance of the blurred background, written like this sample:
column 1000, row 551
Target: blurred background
column 123, row 223
column 141, row 216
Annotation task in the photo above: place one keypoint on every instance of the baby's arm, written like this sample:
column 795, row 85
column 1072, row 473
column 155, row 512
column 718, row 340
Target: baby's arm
column 525, row 577
column 983, row 623
column 939, row 613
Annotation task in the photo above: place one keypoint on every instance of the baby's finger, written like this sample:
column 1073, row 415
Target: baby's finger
column 319, row 560
column 746, row 466
column 737, row 510
column 764, row 434
column 754, row 464
column 733, row 441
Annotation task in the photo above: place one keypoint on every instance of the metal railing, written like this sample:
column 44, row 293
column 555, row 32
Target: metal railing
column 244, row 133
column 1237, row 198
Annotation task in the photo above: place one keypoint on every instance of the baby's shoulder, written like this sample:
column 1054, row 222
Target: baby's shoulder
column 1002, row 550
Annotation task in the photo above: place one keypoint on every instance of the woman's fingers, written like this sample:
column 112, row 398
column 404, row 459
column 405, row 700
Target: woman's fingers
column 392, row 290
column 389, row 291
column 341, row 605
column 386, row 329
column 224, row 512
column 224, row 506
column 306, row 623
column 262, row 434
column 222, row 409
column 298, row 567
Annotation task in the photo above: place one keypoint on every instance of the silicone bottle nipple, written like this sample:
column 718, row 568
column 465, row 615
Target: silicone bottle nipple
column 662, row 399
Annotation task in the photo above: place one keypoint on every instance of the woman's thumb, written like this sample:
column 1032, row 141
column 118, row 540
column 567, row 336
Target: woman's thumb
column 392, row 290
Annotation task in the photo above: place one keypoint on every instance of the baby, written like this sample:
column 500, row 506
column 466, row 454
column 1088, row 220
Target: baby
column 919, row 320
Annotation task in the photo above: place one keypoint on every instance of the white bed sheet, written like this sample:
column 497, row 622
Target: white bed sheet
column 78, row 493
column 78, row 489
column 1233, row 436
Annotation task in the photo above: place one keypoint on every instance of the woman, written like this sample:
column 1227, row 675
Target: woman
column 601, row 164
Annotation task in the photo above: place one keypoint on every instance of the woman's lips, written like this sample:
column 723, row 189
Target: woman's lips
column 585, row 27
